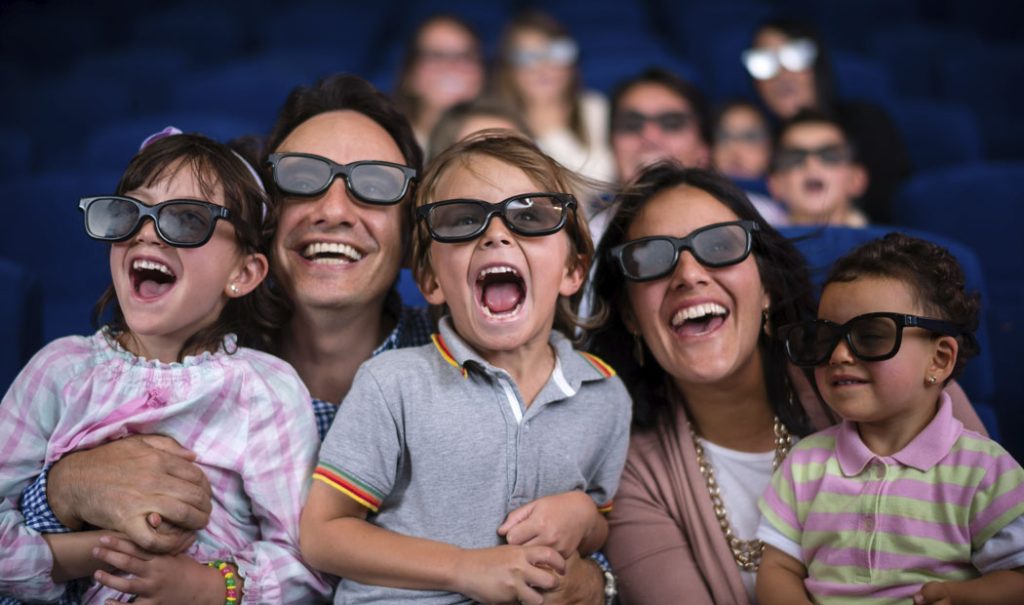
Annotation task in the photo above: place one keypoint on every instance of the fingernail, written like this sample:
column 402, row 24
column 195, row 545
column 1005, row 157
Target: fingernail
column 104, row 539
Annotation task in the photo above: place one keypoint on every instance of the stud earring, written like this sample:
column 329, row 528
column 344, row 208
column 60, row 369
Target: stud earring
column 234, row 288
column 931, row 380
column 765, row 326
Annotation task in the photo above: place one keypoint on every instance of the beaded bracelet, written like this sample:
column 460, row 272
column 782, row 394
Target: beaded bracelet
column 230, row 584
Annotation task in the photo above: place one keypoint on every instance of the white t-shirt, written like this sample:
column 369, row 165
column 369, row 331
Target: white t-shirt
column 593, row 160
column 742, row 478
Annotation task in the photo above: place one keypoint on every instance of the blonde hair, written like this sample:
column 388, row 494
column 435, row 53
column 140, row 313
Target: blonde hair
column 520, row 152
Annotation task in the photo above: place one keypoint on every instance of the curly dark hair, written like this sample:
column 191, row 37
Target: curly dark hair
column 783, row 273
column 214, row 166
column 933, row 274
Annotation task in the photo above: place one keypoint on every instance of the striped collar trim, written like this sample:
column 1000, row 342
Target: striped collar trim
column 446, row 353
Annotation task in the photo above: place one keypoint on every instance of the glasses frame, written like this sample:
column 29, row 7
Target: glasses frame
column 780, row 57
column 499, row 208
column 843, row 332
column 844, row 149
column 344, row 170
column 657, row 119
column 153, row 212
column 684, row 243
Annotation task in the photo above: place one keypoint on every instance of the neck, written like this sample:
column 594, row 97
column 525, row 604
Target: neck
column 545, row 117
column 530, row 366
column 427, row 119
column 890, row 436
column 734, row 413
column 326, row 347
column 158, row 348
column 840, row 216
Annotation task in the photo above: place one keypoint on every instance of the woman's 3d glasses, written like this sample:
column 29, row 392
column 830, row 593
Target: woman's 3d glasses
column 870, row 337
column 179, row 223
column 561, row 52
column 370, row 181
column 529, row 214
column 714, row 246
column 765, row 63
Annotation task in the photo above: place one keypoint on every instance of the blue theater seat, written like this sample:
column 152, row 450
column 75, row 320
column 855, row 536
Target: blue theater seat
column 20, row 319
column 937, row 133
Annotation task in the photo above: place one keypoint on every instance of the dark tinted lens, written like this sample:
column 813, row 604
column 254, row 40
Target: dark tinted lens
column 457, row 219
column 302, row 176
column 534, row 214
column 673, row 121
column 720, row 246
column 648, row 258
column 185, row 223
column 836, row 154
column 111, row 218
column 629, row 122
column 377, row 182
column 811, row 343
column 786, row 159
column 873, row 336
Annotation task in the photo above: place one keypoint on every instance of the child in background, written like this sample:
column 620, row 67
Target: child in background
column 742, row 145
column 899, row 501
column 186, row 290
column 475, row 466
column 464, row 119
column 815, row 173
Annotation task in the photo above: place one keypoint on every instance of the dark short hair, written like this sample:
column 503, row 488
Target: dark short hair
column 933, row 274
column 214, row 166
column 680, row 87
column 783, row 273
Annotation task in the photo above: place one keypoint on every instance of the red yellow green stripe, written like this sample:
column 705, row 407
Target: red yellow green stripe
column 599, row 364
column 351, row 487
column 442, row 348
column 604, row 509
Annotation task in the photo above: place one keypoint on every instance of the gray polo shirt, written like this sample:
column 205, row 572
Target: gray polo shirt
column 438, row 444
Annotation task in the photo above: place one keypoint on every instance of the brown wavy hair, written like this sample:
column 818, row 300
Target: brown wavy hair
column 215, row 167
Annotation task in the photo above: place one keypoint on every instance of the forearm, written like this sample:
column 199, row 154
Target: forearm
column 780, row 579
column 595, row 537
column 996, row 588
column 353, row 548
column 61, row 492
column 72, row 554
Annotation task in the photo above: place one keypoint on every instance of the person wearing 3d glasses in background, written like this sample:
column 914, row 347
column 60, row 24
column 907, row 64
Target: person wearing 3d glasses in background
column 791, row 70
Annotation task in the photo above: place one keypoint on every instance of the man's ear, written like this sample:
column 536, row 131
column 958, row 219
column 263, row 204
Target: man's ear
column 250, row 272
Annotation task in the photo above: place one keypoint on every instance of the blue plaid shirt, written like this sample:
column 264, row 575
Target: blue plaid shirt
column 413, row 329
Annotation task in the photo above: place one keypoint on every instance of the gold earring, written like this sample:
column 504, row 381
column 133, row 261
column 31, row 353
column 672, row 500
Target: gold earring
column 931, row 380
column 638, row 349
column 765, row 326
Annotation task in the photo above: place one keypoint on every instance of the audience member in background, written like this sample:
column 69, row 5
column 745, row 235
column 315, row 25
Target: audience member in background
column 742, row 145
column 469, row 117
column 815, row 173
column 791, row 71
column 443, row 65
column 537, row 74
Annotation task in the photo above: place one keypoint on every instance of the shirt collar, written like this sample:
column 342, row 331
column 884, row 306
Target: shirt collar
column 572, row 367
column 922, row 453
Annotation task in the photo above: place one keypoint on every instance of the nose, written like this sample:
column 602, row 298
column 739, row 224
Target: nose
column 496, row 233
column 689, row 272
column 336, row 205
column 651, row 131
column 841, row 354
column 147, row 233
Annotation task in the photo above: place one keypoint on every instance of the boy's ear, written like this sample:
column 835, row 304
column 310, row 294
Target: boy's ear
column 943, row 358
column 858, row 181
column 575, row 274
column 250, row 272
column 431, row 290
column 775, row 186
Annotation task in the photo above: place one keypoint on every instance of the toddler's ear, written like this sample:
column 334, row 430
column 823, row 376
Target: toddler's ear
column 943, row 358
column 251, row 271
column 858, row 182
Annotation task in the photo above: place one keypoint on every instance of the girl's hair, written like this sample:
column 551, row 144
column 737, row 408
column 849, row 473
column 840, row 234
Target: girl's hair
column 406, row 99
column 933, row 274
column 520, row 152
column 215, row 167
column 824, row 80
column 447, row 128
column 783, row 273
column 504, row 80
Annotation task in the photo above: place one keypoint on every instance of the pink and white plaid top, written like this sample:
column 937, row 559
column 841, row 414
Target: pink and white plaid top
column 246, row 415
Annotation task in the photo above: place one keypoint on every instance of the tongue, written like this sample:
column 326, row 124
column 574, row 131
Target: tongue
column 501, row 297
column 700, row 326
column 152, row 289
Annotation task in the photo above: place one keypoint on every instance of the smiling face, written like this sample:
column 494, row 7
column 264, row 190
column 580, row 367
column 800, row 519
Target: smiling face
column 817, row 191
column 167, row 294
column 501, row 288
column 332, row 251
column 789, row 91
column 637, row 150
column 893, row 391
column 544, row 80
column 448, row 68
column 702, row 325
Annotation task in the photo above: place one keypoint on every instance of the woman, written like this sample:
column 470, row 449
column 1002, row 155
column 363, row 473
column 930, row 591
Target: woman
column 443, row 66
column 715, row 407
column 537, row 74
column 791, row 70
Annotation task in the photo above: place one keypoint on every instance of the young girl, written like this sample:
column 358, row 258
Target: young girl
column 461, row 467
column 186, row 230
column 899, row 501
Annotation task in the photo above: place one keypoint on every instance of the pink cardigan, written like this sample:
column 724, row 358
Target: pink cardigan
column 664, row 541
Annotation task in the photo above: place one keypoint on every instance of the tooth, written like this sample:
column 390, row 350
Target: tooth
column 331, row 248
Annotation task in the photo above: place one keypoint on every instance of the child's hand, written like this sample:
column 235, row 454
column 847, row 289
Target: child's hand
column 933, row 593
column 157, row 579
column 509, row 574
column 561, row 521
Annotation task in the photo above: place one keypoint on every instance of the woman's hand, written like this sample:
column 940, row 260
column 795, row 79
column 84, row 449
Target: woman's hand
column 563, row 522
column 158, row 579
column 119, row 486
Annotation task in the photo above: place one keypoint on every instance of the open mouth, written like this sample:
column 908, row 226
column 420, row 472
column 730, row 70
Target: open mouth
column 501, row 291
column 699, row 319
column 151, row 279
column 331, row 253
column 814, row 186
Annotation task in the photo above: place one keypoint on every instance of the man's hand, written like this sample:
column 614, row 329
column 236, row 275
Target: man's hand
column 145, row 486
column 583, row 584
